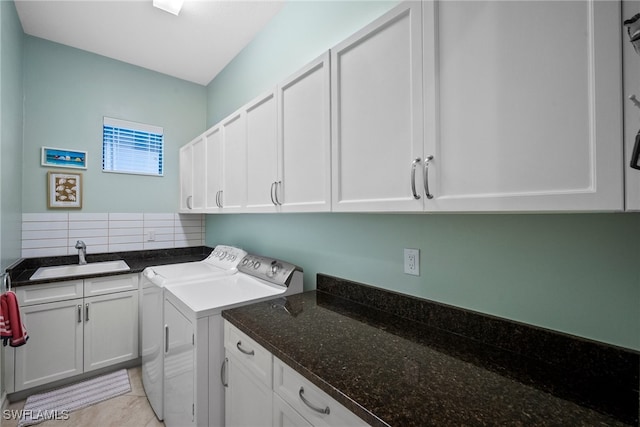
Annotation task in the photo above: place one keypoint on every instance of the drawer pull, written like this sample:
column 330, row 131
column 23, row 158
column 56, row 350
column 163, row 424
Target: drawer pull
column 242, row 350
column 310, row 405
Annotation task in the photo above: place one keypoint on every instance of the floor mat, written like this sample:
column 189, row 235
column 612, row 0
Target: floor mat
column 57, row 404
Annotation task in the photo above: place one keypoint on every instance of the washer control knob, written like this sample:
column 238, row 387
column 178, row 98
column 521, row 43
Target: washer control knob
column 256, row 265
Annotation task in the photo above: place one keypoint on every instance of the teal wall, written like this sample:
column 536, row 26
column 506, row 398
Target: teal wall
column 576, row 273
column 302, row 31
column 11, row 123
column 67, row 93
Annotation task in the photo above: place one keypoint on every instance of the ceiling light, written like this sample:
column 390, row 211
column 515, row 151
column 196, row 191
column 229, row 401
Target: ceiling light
column 171, row 6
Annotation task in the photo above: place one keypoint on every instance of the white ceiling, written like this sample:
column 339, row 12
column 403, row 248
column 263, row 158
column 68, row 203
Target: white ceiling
column 194, row 46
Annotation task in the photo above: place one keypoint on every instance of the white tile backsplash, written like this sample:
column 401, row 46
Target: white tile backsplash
column 55, row 234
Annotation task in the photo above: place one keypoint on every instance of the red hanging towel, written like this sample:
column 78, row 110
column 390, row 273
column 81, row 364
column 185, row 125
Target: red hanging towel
column 5, row 328
column 14, row 326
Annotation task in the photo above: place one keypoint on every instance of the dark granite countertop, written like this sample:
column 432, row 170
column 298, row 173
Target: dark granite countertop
column 392, row 370
column 137, row 261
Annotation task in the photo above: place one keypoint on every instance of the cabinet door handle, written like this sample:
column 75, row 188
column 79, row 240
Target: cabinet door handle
column 312, row 406
column 189, row 206
column 86, row 312
column 273, row 200
column 166, row 338
column 242, row 350
column 223, row 372
column 79, row 313
column 219, row 199
column 278, row 185
column 414, row 165
column 426, row 176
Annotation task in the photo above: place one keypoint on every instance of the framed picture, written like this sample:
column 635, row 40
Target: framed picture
column 64, row 190
column 61, row 157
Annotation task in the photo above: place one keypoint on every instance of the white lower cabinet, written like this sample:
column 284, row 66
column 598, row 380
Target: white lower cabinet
column 245, row 391
column 70, row 334
column 179, row 368
column 110, row 329
column 284, row 415
column 313, row 404
column 54, row 349
column 276, row 394
column 248, row 381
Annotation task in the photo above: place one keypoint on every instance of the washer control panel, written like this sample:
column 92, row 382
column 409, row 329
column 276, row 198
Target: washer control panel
column 226, row 257
column 269, row 269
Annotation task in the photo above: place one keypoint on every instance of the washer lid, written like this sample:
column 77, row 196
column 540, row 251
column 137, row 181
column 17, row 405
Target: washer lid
column 222, row 261
column 208, row 297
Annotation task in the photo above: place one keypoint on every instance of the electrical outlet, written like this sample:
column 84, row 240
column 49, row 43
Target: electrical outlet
column 412, row 261
column 151, row 235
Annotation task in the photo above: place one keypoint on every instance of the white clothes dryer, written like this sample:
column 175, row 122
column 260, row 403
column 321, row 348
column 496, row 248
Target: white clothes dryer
column 222, row 261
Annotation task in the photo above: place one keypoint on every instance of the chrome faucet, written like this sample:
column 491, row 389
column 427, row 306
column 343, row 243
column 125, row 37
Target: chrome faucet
column 82, row 252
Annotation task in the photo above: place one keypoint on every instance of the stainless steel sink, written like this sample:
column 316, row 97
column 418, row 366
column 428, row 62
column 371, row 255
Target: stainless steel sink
column 79, row 270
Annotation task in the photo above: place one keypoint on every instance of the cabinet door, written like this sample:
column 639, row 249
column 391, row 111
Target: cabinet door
column 377, row 113
column 110, row 329
column 192, row 176
column 243, row 391
column 285, row 416
column 186, row 177
column 304, row 182
column 179, row 369
column 528, row 119
column 262, row 153
column 199, row 174
column 234, row 167
column 54, row 349
column 631, row 112
column 308, row 400
column 213, row 139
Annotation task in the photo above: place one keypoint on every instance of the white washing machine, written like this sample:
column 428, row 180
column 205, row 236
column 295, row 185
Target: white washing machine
column 194, row 341
column 222, row 261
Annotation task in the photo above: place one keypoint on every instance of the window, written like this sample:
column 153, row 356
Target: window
column 129, row 147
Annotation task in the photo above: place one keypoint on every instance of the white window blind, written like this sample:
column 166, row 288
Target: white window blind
column 134, row 148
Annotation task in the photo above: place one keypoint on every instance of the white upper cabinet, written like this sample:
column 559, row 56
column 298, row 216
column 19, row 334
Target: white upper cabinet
column 213, row 141
column 192, row 176
column 234, row 165
column 262, row 153
column 304, row 175
column 631, row 112
column 377, row 114
column 523, row 105
column 450, row 106
column 274, row 153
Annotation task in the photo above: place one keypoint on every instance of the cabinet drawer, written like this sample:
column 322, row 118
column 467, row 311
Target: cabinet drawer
column 110, row 284
column 313, row 404
column 49, row 292
column 249, row 353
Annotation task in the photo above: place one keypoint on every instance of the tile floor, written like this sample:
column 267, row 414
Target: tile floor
column 129, row 410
